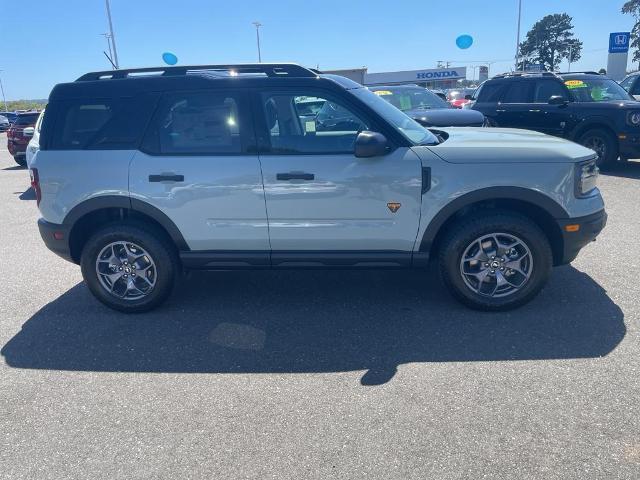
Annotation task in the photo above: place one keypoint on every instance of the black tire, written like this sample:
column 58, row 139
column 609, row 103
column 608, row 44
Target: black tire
column 608, row 156
column 154, row 242
column 462, row 234
column 20, row 160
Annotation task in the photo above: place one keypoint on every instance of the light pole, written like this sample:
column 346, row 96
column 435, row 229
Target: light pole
column 108, row 37
column 570, row 52
column 258, row 25
column 4, row 100
column 518, row 35
column 113, row 38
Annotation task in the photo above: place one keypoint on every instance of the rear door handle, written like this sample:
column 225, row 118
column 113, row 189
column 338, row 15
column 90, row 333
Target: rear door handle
column 295, row 176
column 166, row 177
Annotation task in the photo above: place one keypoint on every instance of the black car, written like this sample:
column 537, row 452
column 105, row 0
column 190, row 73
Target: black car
column 586, row 107
column 427, row 108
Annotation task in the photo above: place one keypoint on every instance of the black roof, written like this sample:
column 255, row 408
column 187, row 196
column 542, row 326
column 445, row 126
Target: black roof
column 129, row 82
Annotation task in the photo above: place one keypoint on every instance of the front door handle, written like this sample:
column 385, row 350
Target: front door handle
column 166, row 177
column 295, row 176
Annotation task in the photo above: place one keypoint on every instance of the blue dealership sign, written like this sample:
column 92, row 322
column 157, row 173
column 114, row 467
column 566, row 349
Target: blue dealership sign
column 619, row 42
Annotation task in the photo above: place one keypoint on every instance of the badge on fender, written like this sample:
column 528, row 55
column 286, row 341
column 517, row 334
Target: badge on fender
column 394, row 206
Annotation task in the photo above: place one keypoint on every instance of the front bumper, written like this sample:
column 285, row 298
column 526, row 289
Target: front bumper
column 573, row 241
column 56, row 238
column 629, row 145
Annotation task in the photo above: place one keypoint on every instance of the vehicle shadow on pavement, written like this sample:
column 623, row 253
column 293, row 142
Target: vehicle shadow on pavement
column 629, row 169
column 15, row 167
column 315, row 321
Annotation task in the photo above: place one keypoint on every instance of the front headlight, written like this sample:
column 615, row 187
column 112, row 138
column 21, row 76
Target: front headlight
column 633, row 118
column 586, row 177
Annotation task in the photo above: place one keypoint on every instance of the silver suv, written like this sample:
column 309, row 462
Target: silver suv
column 144, row 173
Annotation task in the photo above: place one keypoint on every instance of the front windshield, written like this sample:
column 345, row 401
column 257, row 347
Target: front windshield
column 409, row 128
column 595, row 90
column 411, row 98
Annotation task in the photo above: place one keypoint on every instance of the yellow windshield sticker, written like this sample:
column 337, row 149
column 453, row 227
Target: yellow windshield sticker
column 575, row 84
column 383, row 92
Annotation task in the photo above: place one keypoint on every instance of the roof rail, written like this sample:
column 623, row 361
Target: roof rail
column 587, row 72
column 525, row 74
column 269, row 69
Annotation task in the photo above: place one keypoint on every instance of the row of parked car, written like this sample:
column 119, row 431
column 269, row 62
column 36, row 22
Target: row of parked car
column 23, row 130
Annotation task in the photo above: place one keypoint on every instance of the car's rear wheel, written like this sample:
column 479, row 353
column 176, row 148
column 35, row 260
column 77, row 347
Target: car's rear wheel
column 495, row 261
column 129, row 268
column 603, row 143
column 20, row 160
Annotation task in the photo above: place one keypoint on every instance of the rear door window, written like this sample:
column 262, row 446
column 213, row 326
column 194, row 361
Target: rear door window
column 198, row 123
column 519, row 92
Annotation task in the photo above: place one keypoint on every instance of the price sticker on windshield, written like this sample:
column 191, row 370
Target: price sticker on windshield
column 382, row 92
column 575, row 84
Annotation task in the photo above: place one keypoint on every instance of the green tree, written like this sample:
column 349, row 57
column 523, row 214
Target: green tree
column 551, row 40
column 632, row 7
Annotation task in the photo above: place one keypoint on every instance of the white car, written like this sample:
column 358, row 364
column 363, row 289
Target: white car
column 4, row 123
column 34, row 143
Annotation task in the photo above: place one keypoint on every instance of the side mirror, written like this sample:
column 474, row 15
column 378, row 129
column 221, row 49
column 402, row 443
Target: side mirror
column 28, row 132
column 370, row 144
column 557, row 100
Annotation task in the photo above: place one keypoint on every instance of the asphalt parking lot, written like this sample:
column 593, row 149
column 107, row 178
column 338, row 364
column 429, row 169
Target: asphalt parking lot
column 319, row 374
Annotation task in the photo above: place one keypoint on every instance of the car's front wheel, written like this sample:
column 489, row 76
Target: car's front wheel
column 129, row 268
column 20, row 160
column 495, row 261
column 603, row 143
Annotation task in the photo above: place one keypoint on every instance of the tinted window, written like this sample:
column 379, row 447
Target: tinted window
column 27, row 119
column 519, row 92
column 489, row 92
column 197, row 122
column 545, row 89
column 79, row 122
column 293, row 129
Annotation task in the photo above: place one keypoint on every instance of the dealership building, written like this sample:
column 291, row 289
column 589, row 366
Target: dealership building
column 428, row 77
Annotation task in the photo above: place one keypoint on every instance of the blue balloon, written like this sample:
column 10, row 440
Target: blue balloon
column 169, row 58
column 464, row 41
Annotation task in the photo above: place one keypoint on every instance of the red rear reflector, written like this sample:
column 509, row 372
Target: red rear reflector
column 58, row 235
column 35, row 183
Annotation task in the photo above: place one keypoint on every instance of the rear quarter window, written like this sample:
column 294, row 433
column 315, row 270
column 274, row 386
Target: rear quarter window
column 489, row 92
column 100, row 124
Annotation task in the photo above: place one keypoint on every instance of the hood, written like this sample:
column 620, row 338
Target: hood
column 507, row 145
column 447, row 117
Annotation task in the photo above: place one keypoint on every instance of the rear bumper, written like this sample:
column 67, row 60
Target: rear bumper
column 56, row 238
column 590, row 227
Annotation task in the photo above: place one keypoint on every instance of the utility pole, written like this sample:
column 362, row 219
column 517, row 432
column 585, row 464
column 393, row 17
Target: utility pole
column 258, row 25
column 3, row 98
column 113, row 38
column 518, row 35
column 570, row 52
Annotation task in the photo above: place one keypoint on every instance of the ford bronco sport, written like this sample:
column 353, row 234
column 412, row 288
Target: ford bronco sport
column 585, row 107
column 144, row 173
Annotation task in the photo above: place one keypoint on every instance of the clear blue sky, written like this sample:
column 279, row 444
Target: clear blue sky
column 44, row 42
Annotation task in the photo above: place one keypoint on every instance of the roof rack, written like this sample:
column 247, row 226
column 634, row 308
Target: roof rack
column 525, row 74
column 587, row 72
column 269, row 69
